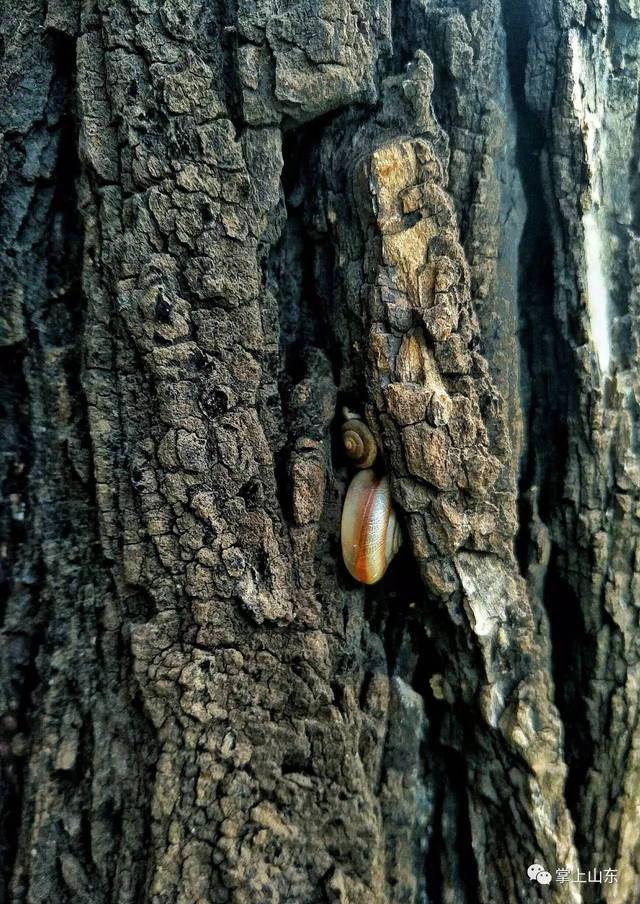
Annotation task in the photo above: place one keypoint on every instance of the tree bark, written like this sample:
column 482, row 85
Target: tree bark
column 221, row 223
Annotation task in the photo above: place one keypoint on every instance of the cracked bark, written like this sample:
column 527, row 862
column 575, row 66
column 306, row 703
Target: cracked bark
column 220, row 223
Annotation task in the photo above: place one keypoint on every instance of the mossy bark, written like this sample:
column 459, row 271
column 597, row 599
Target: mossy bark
column 220, row 223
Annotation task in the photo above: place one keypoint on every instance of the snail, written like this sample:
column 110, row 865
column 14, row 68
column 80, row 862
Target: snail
column 359, row 441
column 369, row 532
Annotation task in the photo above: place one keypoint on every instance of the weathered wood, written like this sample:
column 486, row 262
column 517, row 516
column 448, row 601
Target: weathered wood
column 220, row 223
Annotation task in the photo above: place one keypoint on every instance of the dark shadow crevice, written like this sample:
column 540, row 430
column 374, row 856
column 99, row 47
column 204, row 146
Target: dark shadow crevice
column 549, row 400
column 573, row 656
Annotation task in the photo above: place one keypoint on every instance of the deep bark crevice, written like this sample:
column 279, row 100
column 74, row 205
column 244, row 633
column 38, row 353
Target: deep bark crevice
column 573, row 654
column 51, row 317
column 547, row 384
column 548, row 397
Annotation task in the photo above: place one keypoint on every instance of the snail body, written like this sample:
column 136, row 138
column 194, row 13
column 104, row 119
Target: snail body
column 369, row 532
column 359, row 442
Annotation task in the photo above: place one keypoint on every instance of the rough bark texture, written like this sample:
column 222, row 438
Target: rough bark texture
column 219, row 223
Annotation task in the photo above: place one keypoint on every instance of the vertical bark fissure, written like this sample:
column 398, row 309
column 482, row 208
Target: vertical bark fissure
column 585, row 84
column 41, row 321
column 549, row 400
column 20, row 641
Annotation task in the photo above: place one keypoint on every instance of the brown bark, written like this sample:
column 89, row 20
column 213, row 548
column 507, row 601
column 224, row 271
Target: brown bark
column 220, row 224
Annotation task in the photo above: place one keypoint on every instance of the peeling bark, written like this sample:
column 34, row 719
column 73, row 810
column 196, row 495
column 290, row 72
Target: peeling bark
column 220, row 224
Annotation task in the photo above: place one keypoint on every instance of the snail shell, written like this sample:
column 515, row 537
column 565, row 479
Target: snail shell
column 370, row 533
column 359, row 442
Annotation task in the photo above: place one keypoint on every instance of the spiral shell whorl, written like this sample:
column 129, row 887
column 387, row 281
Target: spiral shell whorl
column 358, row 440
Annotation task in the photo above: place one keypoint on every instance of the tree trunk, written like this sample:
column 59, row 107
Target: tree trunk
column 221, row 222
